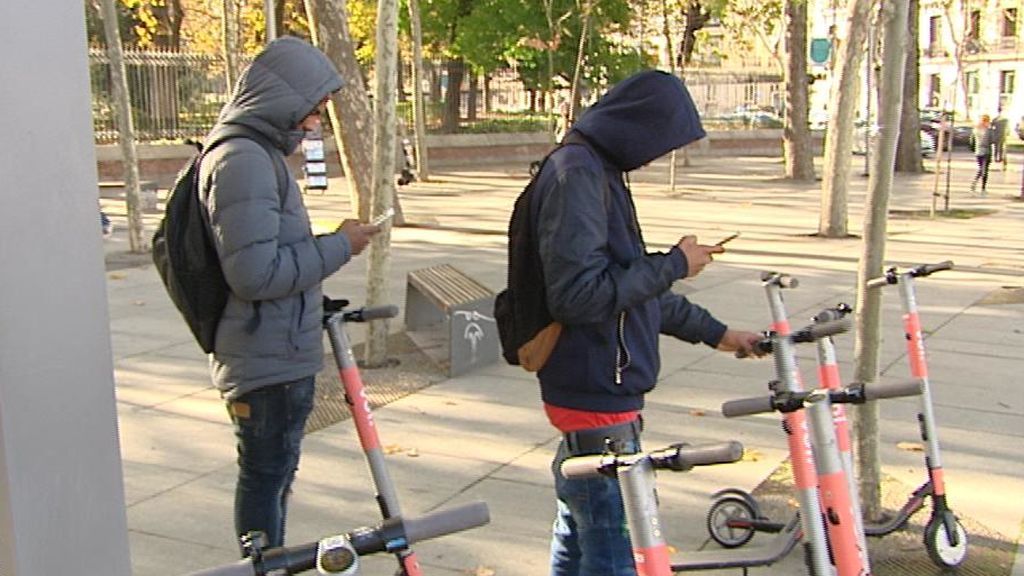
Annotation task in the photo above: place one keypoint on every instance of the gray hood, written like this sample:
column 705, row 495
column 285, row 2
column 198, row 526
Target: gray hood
column 280, row 88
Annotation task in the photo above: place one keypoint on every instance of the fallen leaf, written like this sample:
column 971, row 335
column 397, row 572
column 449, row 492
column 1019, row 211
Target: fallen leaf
column 393, row 449
column 116, row 276
column 482, row 571
column 698, row 412
column 750, row 455
column 413, row 453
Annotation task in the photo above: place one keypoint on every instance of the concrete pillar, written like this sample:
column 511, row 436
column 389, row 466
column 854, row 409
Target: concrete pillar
column 61, row 491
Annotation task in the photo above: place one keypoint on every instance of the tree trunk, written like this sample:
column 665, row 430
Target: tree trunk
column 472, row 95
column 385, row 64
column 839, row 137
column 796, row 141
column 453, row 96
column 270, row 17
column 894, row 19
column 908, row 151
column 349, row 110
column 137, row 243
column 418, row 112
column 229, row 28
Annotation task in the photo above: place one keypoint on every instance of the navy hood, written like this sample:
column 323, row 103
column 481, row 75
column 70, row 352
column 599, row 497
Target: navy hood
column 640, row 119
column 284, row 83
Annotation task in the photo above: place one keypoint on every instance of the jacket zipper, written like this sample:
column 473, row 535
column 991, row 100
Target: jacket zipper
column 622, row 356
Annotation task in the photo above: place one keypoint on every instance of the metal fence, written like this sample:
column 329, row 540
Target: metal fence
column 176, row 95
column 173, row 95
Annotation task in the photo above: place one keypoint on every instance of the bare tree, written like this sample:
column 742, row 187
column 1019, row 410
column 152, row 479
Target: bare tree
column 137, row 243
column 349, row 109
column 839, row 137
column 796, row 140
column 894, row 21
column 383, row 173
column 229, row 29
column 418, row 111
column 908, row 150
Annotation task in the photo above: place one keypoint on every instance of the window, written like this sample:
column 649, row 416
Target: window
column 1007, row 82
column 971, row 78
column 1009, row 23
column 934, row 35
column 975, row 25
column 973, row 88
column 935, row 90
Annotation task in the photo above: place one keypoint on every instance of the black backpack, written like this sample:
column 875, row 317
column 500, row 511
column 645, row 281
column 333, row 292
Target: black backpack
column 183, row 251
column 526, row 329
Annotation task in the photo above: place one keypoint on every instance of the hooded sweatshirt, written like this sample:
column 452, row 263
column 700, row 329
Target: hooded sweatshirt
column 270, row 331
column 612, row 296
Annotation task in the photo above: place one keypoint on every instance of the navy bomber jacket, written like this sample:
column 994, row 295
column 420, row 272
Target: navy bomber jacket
column 611, row 295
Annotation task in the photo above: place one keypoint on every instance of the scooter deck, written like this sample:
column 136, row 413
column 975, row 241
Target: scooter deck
column 779, row 547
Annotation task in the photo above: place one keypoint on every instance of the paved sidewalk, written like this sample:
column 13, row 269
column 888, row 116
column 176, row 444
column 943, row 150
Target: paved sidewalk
column 484, row 437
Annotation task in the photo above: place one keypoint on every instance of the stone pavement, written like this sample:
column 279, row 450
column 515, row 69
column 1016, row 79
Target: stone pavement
column 483, row 436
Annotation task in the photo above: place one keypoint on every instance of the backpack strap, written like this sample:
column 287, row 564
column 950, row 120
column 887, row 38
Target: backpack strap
column 232, row 131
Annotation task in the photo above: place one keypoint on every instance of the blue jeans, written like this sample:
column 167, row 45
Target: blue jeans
column 589, row 537
column 269, row 426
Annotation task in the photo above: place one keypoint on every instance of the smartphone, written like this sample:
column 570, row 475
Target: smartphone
column 727, row 239
column 387, row 215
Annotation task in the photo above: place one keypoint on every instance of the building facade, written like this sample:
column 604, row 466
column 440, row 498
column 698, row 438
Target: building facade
column 972, row 57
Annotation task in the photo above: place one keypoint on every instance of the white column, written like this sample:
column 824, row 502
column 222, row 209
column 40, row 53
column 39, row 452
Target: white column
column 61, row 491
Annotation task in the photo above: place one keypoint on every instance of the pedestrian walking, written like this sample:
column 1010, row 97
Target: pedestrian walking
column 269, row 342
column 612, row 298
column 982, row 139
column 1000, row 130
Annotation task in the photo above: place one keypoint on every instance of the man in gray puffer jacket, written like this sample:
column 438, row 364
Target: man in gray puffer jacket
column 269, row 344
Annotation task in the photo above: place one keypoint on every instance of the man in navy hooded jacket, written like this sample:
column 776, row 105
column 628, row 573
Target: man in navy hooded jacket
column 613, row 299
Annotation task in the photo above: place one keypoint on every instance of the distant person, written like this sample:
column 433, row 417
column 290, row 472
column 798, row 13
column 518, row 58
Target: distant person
column 982, row 139
column 106, row 226
column 564, row 120
column 1000, row 130
column 613, row 296
column 269, row 343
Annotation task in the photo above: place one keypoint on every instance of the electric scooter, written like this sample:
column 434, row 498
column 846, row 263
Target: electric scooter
column 335, row 316
column 944, row 536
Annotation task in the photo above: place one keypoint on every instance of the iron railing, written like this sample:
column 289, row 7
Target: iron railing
column 173, row 95
column 178, row 95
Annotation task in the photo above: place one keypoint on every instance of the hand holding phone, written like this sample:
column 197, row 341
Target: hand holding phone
column 727, row 239
column 387, row 215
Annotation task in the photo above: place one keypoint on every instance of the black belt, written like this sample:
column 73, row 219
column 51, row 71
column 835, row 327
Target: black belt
column 621, row 438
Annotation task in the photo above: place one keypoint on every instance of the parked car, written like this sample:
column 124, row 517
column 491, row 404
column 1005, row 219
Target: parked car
column 754, row 117
column 931, row 122
column 861, row 132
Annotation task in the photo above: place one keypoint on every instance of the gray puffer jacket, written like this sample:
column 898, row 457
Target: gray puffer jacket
column 270, row 331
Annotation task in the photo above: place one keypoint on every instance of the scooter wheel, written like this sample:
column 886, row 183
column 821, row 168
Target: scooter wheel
column 724, row 510
column 940, row 549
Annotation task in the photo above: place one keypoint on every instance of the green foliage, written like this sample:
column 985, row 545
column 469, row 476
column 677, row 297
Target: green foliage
column 519, row 123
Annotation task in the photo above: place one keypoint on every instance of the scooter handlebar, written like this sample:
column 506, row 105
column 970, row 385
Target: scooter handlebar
column 820, row 330
column 780, row 280
column 585, row 466
column 747, row 406
column 448, row 521
column 879, row 391
column 927, row 269
column 368, row 313
column 338, row 552
column 687, row 457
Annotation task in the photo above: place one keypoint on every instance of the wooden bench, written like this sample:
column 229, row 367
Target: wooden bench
column 116, row 189
column 450, row 317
